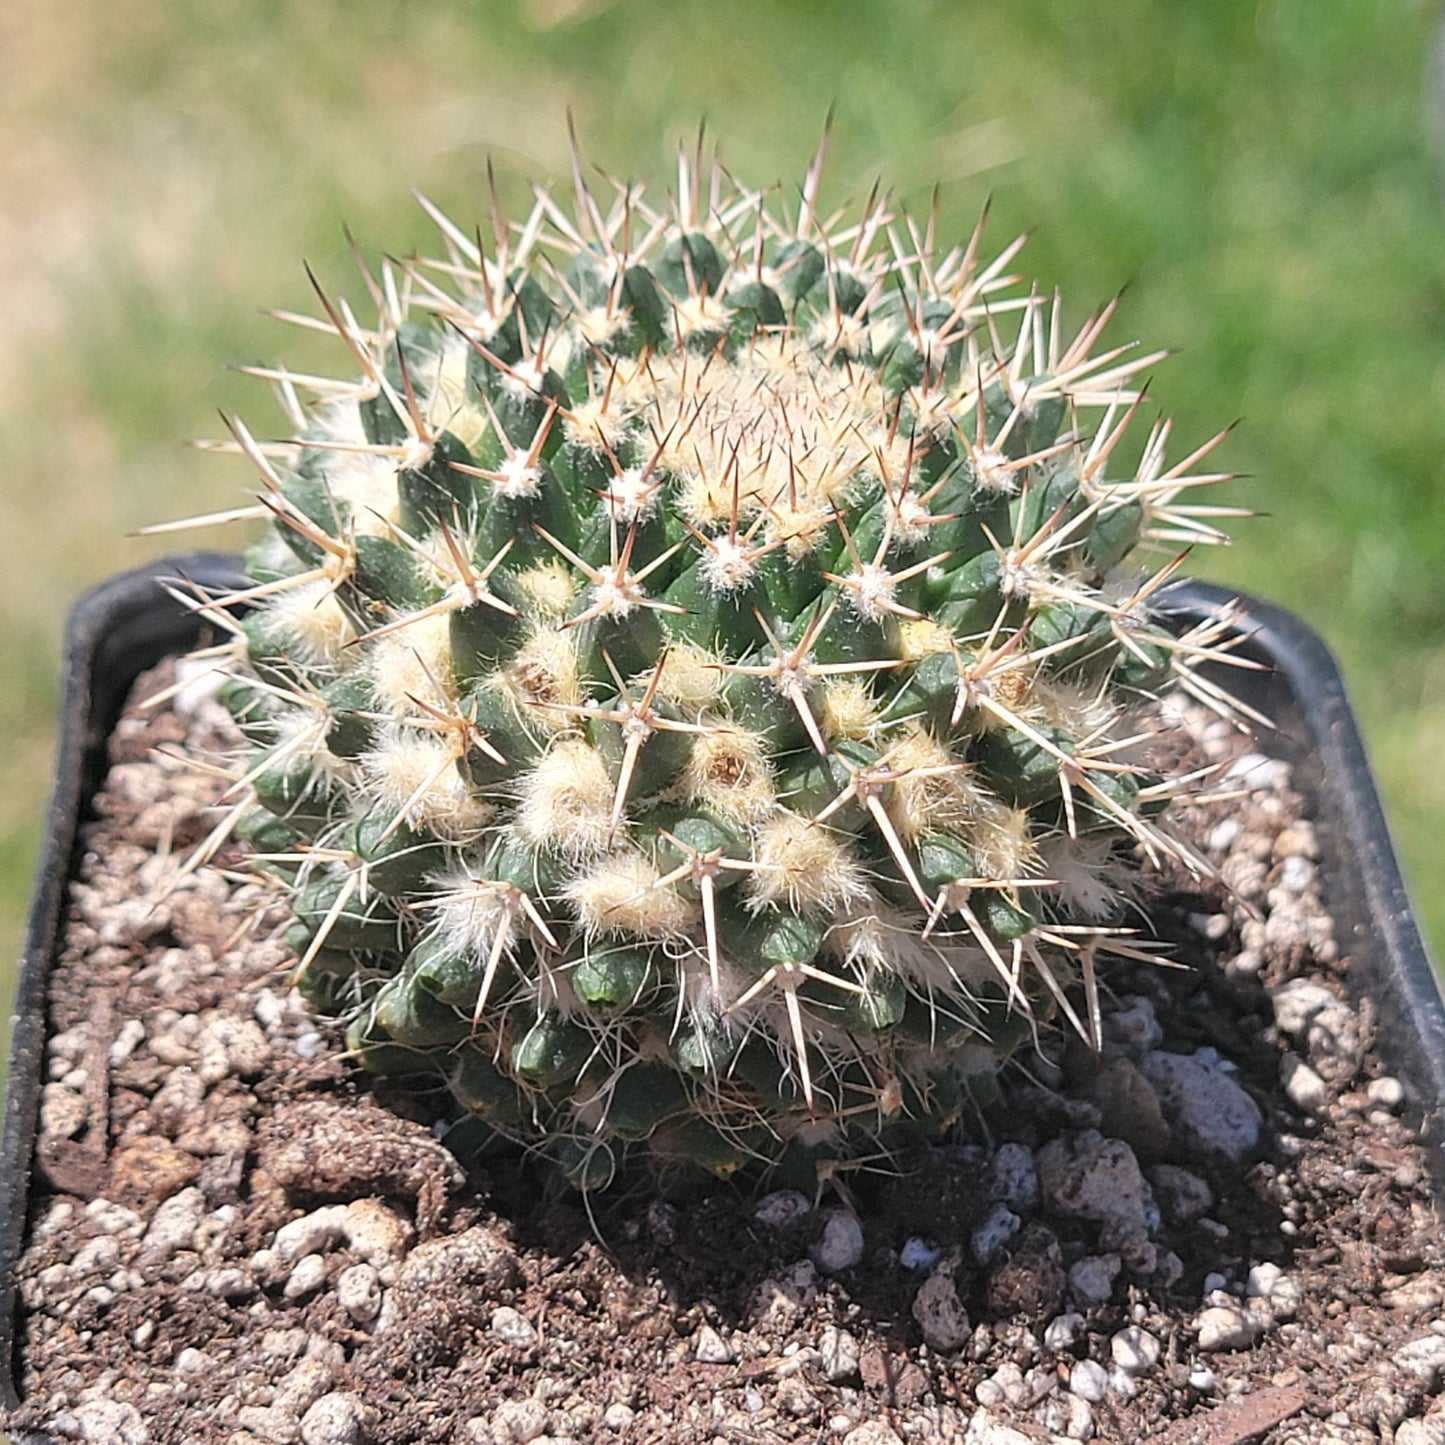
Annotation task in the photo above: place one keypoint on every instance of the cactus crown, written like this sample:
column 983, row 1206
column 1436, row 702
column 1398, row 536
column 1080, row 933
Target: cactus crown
column 694, row 671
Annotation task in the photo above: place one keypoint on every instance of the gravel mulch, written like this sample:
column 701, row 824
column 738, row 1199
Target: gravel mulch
column 1218, row 1230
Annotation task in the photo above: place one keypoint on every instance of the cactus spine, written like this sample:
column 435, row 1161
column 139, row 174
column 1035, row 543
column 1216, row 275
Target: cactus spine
column 694, row 673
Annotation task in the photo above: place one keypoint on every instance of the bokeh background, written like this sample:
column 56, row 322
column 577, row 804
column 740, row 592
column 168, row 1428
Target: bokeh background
column 1259, row 176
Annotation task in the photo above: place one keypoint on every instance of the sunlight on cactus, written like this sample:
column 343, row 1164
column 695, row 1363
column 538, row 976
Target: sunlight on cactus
column 697, row 678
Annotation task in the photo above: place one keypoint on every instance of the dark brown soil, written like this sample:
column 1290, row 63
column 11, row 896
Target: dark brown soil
column 233, row 1239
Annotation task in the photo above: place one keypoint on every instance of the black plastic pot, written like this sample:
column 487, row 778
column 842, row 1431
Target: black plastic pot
column 131, row 623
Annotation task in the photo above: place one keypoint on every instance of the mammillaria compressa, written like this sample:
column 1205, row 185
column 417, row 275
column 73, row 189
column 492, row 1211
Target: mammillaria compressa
column 694, row 674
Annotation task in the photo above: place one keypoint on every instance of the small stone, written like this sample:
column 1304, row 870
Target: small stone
column 662, row 1223
column 1136, row 1028
column 1004, row 1387
column 1069, row 1415
column 1427, row 1431
column 1296, row 874
column 841, row 1247
column 709, row 1348
column 837, row 1354
column 1089, row 1380
column 871, row 1432
column 998, row 1226
column 516, row 1422
column 1090, row 1177
column 1203, row 1103
column 375, row 1231
column 513, row 1328
column 335, row 1419
column 307, row 1276
column 618, row 1417
column 1092, row 1278
column 1306, row 1089
column 1063, row 1331
column 1013, row 1177
column 1258, row 773
column 918, row 1254
column 781, row 1208
column 983, row 1429
column 358, row 1291
column 230, row 1284
column 1222, row 836
column 110, row 1422
column 129, row 1037
column 313, row 1233
column 1226, row 1327
column 1134, row 1350
column 1201, row 1378
column 1297, row 840
column 191, row 1361
column 1182, row 1194
column 940, row 1313
column 310, row 1045
column 1424, row 1357
column 173, row 1226
column 1386, row 1092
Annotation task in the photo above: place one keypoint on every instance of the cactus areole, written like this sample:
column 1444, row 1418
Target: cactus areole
column 693, row 677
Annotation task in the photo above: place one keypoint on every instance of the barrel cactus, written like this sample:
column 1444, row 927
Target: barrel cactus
column 694, row 674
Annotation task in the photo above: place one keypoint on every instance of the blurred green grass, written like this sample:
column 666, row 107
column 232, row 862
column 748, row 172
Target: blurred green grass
column 1256, row 174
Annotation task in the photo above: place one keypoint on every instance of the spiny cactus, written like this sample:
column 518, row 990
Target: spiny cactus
column 694, row 671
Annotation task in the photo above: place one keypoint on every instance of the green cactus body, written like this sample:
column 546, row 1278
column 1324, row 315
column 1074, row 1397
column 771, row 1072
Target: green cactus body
column 692, row 676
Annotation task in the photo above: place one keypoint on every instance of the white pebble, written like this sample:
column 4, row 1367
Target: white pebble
column 307, row 1275
column 1121, row 1383
column 335, row 1419
column 1201, row 1378
column 358, row 1291
column 780, row 1208
column 1227, row 1327
column 1062, row 1331
column 1387, row 1091
column 519, row 1421
column 110, row 1422
column 1134, row 1350
column 1296, row 874
column 1429, row 1430
column 1223, row 835
column 173, row 1226
column 1298, row 1002
column 131, row 1033
column 1306, row 1090
column 837, row 1353
column 841, row 1247
column 918, row 1254
column 1004, row 1387
column 1424, row 1357
column 1089, row 1380
column 513, row 1328
column 310, row 1045
column 709, row 1348
column 1262, row 774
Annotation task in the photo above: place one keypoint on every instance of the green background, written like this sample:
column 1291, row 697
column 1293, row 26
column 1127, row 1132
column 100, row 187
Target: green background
column 1259, row 177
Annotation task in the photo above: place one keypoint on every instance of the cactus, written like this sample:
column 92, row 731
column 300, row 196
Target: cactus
column 694, row 674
